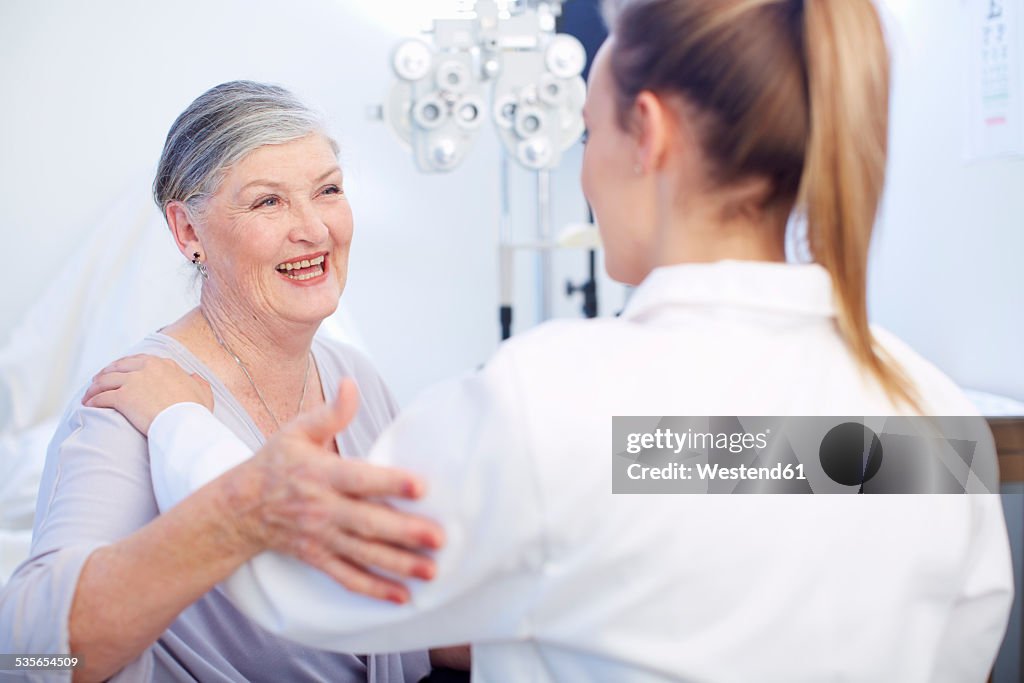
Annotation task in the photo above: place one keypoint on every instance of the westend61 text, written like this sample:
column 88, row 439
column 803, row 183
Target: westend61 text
column 708, row 472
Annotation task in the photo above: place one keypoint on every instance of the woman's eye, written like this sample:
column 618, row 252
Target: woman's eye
column 267, row 201
column 332, row 189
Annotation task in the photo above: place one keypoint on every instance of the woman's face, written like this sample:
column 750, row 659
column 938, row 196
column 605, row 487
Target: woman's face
column 616, row 192
column 277, row 233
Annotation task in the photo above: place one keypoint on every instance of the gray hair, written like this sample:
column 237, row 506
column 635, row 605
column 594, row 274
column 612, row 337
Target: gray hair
column 218, row 130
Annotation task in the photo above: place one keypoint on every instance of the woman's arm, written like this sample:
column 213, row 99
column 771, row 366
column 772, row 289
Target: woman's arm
column 468, row 439
column 105, row 578
column 295, row 502
column 129, row 592
column 141, row 386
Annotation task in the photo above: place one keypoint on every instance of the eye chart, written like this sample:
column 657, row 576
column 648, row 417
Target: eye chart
column 995, row 79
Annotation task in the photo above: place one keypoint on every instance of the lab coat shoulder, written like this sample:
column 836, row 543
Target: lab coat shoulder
column 471, row 439
column 563, row 357
column 500, row 410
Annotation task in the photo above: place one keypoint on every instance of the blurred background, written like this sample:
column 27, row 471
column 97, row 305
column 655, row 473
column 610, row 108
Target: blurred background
column 89, row 91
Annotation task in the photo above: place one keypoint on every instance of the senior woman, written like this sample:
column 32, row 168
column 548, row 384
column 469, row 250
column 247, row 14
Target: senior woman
column 252, row 192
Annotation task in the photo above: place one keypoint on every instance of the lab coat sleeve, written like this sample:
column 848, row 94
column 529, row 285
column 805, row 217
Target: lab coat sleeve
column 189, row 447
column 978, row 619
column 469, row 440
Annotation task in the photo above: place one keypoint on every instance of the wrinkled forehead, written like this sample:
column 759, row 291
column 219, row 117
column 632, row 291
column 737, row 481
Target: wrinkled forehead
column 294, row 163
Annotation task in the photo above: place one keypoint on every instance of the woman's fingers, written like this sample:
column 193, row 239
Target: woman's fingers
column 355, row 477
column 142, row 362
column 376, row 522
column 127, row 363
column 105, row 381
column 106, row 399
column 361, row 581
column 324, row 510
column 115, row 375
column 383, row 557
column 320, row 425
column 204, row 391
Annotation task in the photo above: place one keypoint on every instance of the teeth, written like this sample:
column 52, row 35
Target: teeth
column 306, row 276
column 295, row 265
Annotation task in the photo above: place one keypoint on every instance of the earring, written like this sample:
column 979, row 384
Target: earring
column 200, row 266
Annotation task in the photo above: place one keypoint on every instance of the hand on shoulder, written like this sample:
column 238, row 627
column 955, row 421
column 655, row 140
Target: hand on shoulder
column 141, row 386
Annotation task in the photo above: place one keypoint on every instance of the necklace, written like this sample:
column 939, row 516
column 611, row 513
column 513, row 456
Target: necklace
column 245, row 371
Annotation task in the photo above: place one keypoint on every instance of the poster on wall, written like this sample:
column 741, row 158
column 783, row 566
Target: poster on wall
column 995, row 124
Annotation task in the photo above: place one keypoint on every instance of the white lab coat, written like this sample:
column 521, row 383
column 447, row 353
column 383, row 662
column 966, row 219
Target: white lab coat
column 554, row 578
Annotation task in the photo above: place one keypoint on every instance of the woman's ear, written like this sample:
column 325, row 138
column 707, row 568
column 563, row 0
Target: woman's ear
column 183, row 229
column 651, row 123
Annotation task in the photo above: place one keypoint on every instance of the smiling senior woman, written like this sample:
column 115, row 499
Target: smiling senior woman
column 251, row 189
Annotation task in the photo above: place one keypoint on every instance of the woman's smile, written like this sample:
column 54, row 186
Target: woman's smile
column 306, row 270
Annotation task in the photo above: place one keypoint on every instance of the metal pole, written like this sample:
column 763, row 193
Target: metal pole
column 506, row 253
column 544, row 236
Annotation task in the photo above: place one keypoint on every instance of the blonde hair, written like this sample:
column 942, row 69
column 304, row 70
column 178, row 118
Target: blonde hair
column 794, row 91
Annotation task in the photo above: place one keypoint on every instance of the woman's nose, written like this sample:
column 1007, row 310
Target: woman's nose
column 307, row 224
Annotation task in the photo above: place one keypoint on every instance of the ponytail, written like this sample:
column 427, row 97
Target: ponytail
column 844, row 170
column 792, row 91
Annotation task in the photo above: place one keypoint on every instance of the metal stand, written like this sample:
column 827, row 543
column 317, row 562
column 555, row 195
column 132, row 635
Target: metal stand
column 545, row 237
column 506, row 254
column 543, row 246
column 588, row 288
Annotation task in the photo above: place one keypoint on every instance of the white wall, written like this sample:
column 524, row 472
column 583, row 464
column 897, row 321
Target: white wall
column 89, row 90
column 948, row 266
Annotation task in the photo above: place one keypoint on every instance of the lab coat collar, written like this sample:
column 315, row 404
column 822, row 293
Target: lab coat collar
column 803, row 289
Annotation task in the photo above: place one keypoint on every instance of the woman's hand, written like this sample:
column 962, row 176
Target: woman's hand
column 293, row 495
column 141, row 386
column 296, row 497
